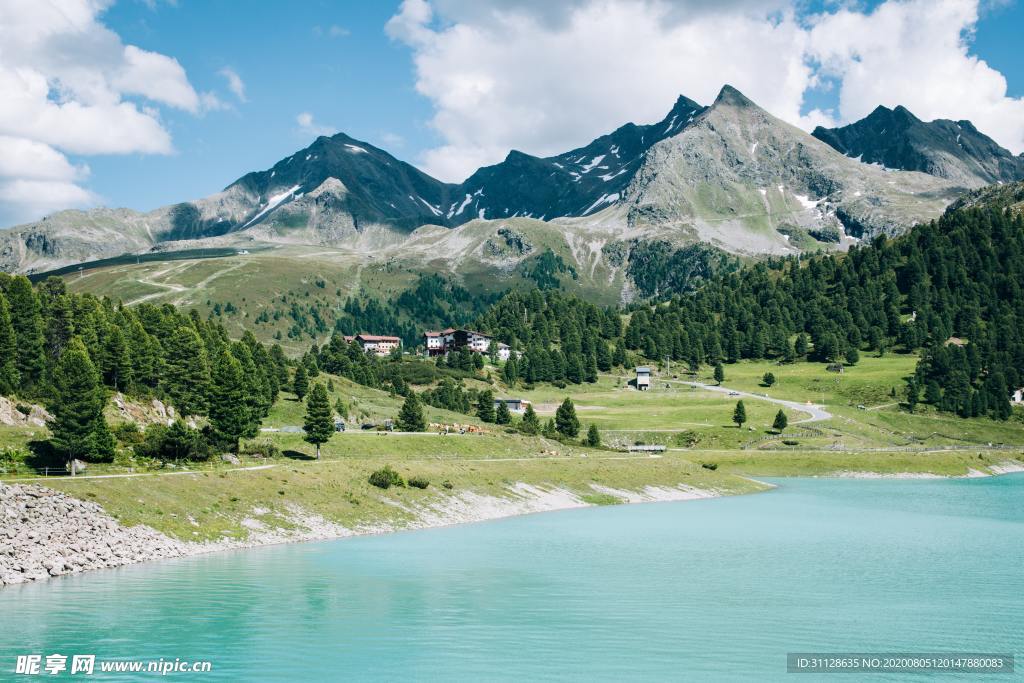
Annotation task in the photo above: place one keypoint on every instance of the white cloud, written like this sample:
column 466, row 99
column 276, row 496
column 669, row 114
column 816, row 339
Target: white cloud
column 71, row 86
column 544, row 77
column 308, row 126
column 34, row 178
column 514, row 82
column 235, row 83
column 157, row 77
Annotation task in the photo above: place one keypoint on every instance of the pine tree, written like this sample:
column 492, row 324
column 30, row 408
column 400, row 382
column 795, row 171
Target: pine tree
column 800, row 346
column 410, row 417
column 28, row 331
column 186, row 375
column 502, row 415
column 8, row 350
column 719, row 373
column 781, row 421
column 913, row 393
column 593, row 437
column 227, row 401
column 550, row 431
column 78, row 428
column 319, row 424
column 619, row 355
column 768, row 379
column 604, row 356
column 530, row 424
column 300, row 385
column 566, row 421
column 739, row 415
column 117, row 360
column 485, row 406
column 510, row 373
column 590, row 369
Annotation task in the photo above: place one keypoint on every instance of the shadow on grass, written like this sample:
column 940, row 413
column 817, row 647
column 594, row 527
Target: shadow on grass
column 42, row 454
column 297, row 455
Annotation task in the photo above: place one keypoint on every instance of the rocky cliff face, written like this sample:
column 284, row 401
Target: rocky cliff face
column 956, row 150
column 737, row 175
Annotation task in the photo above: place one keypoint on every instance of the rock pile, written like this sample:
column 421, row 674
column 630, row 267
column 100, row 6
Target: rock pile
column 46, row 533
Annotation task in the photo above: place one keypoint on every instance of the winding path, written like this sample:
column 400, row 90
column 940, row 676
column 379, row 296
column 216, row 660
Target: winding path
column 817, row 413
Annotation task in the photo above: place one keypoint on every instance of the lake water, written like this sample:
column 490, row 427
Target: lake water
column 703, row 590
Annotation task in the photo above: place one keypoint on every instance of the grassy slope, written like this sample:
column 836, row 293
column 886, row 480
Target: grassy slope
column 256, row 282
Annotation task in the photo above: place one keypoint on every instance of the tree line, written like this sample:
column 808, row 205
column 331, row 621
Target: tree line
column 70, row 351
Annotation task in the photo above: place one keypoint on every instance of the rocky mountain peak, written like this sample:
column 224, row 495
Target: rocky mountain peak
column 729, row 96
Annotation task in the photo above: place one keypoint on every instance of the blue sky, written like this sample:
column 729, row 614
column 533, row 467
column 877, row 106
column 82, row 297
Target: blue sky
column 353, row 79
column 453, row 84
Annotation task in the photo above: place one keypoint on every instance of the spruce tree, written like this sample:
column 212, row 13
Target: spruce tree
column 410, row 417
column 510, row 373
column 781, row 421
column 117, row 360
column 590, row 369
column 719, row 373
column 319, row 424
column 300, row 384
column 485, row 406
column 227, row 409
column 531, row 423
column 502, row 415
column 739, row 415
column 566, row 421
column 604, row 356
column 78, row 428
column 8, row 350
column 28, row 331
column 593, row 437
column 800, row 347
column 768, row 380
column 186, row 375
column 550, row 431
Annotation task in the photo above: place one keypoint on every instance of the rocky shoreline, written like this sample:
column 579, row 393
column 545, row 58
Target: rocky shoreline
column 46, row 533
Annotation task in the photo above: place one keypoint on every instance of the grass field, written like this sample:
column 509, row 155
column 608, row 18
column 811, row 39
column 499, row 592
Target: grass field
column 705, row 449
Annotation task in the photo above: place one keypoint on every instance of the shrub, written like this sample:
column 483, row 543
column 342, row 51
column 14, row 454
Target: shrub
column 386, row 477
column 24, row 409
column 709, row 466
column 176, row 442
column 419, row 482
column 447, row 484
column 12, row 459
column 260, row 448
column 127, row 433
column 790, row 442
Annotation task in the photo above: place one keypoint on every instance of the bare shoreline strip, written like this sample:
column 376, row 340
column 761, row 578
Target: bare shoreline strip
column 46, row 533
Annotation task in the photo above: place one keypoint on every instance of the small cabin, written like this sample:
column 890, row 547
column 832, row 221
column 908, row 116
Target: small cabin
column 514, row 405
column 643, row 378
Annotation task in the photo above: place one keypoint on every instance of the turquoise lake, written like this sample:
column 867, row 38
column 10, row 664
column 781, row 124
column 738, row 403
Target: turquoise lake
column 704, row 590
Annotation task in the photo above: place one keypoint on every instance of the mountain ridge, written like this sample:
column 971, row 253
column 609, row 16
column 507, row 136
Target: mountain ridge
column 896, row 138
column 696, row 175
